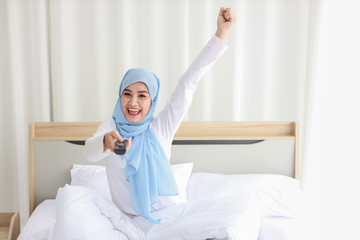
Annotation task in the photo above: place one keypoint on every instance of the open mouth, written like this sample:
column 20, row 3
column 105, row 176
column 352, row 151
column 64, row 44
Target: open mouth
column 133, row 112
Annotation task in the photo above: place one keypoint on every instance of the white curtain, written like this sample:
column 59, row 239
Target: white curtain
column 63, row 60
column 24, row 94
column 332, row 160
column 93, row 43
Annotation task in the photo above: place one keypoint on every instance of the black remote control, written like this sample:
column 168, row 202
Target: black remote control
column 120, row 147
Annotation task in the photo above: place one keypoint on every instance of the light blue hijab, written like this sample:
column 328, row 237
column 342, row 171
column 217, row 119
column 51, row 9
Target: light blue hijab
column 147, row 170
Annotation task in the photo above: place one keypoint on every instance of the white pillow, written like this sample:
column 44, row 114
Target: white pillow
column 279, row 195
column 94, row 176
column 91, row 176
column 182, row 173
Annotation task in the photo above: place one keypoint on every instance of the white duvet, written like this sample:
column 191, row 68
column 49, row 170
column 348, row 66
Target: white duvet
column 82, row 213
column 218, row 206
column 232, row 218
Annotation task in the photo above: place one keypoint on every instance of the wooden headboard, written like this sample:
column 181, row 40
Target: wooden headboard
column 189, row 133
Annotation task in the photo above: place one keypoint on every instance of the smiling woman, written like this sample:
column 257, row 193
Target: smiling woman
column 135, row 102
column 141, row 181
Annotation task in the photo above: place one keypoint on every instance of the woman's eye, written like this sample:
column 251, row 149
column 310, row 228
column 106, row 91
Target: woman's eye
column 126, row 94
column 142, row 96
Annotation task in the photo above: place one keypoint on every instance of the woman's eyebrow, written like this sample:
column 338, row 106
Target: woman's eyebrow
column 128, row 90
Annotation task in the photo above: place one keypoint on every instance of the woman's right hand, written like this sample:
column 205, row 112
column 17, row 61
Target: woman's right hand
column 226, row 20
column 111, row 138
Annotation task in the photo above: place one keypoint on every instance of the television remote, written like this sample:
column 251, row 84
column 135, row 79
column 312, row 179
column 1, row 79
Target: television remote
column 120, row 147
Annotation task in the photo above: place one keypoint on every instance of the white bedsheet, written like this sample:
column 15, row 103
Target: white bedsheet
column 279, row 228
column 43, row 219
column 219, row 206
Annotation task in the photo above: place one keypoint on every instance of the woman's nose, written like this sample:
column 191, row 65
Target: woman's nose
column 133, row 101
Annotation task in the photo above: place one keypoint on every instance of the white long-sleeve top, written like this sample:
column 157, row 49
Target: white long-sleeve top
column 164, row 126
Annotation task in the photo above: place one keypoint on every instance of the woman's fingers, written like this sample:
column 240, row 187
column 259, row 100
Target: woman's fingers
column 116, row 136
column 111, row 138
column 108, row 142
column 221, row 12
column 227, row 15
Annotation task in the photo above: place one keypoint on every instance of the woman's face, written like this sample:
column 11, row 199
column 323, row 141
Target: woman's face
column 135, row 102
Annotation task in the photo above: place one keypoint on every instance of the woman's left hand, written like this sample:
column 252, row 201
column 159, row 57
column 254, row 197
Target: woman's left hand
column 226, row 20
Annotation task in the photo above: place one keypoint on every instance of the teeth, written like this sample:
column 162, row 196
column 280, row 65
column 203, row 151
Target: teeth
column 133, row 111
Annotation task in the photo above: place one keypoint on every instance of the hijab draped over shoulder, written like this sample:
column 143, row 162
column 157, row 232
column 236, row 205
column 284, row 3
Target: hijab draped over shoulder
column 147, row 170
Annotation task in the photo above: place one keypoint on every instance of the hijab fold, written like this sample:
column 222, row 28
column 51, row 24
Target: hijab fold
column 147, row 170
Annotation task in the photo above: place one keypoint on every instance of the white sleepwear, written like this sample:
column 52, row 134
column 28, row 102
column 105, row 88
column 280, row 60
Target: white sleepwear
column 164, row 126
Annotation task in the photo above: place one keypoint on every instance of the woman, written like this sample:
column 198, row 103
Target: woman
column 141, row 180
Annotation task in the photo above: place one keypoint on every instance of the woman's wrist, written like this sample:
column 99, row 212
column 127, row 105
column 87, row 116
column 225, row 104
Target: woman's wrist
column 220, row 34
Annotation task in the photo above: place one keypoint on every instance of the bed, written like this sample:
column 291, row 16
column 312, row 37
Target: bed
column 237, row 180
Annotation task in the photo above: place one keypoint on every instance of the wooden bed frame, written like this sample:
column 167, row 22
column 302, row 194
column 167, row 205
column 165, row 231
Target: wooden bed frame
column 188, row 131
